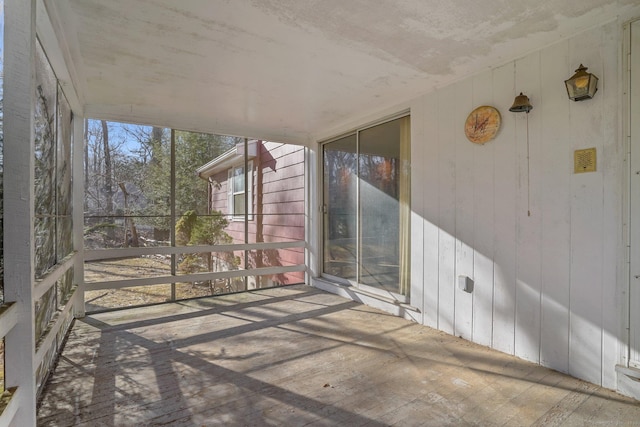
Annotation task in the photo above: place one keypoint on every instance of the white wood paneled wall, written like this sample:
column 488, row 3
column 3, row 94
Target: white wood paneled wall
column 634, row 200
column 547, row 286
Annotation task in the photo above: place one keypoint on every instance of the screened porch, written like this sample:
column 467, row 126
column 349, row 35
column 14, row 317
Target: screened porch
column 220, row 213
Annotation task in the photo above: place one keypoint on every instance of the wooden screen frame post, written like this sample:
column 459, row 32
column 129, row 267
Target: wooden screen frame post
column 19, row 163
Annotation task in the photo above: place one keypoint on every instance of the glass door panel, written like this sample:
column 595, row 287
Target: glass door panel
column 340, row 198
column 379, row 206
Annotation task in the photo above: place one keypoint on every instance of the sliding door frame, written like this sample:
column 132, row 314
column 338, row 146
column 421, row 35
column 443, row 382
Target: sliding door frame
column 323, row 213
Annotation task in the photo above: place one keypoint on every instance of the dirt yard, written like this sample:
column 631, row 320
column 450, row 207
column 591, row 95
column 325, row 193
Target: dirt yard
column 136, row 268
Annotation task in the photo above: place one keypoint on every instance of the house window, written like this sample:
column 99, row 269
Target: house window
column 236, row 196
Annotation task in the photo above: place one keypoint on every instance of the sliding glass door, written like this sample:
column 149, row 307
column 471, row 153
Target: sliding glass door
column 367, row 208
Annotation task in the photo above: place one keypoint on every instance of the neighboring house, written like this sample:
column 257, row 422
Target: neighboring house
column 275, row 210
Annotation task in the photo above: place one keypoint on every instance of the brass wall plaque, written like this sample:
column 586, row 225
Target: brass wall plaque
column 584, row 160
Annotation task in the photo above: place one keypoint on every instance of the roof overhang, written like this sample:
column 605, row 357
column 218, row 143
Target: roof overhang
column 228, row 159
column 290, row 70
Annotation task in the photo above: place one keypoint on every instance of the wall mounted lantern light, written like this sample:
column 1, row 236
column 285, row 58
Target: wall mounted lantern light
column 581, row 85
column 521, row 104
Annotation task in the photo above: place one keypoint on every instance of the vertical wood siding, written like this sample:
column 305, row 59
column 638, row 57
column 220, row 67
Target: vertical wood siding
column 278, row 205
column 547, row 285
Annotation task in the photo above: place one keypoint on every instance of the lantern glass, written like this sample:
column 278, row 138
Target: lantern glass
column 581, row 85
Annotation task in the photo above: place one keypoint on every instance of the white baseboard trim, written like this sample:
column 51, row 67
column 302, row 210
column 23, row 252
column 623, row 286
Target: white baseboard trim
column 397, row 308
column 628, row 381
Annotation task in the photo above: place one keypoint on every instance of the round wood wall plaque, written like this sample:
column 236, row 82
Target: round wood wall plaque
column 482, row 124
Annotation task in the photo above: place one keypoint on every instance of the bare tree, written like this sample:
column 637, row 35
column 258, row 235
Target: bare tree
column 86, row 160
column 129, row 220
column 108, row 172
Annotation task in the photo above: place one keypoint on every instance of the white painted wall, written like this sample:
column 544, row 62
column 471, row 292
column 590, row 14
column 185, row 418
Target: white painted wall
column 549, row 286
column 634, row 200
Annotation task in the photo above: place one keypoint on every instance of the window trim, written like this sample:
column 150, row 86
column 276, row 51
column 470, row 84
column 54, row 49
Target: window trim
column 248, row 175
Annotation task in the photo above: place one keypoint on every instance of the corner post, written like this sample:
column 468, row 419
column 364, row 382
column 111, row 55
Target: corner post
column 19, row 163
column 78, row 212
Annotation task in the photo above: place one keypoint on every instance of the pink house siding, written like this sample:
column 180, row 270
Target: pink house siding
column 277, row 207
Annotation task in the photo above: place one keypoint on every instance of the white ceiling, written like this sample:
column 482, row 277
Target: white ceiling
column 289, row 70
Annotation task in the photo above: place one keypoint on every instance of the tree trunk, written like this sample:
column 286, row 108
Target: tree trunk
column 108, row 174
column 156, row 135
column 134, row 241
column 161, row 226
column 86, row 161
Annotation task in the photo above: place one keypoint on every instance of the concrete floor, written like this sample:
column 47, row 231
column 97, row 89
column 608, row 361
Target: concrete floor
column 298, row 356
